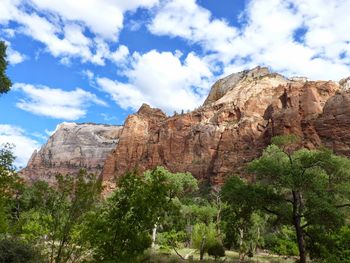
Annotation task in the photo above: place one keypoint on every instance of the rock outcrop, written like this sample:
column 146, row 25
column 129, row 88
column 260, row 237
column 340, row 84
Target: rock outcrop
column 236, row 122
column 72, row 147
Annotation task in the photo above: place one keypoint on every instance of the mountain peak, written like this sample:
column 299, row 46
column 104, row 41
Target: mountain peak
column 222, row 86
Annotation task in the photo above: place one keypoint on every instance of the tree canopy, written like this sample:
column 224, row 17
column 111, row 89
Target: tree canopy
column 5, row 82
column 307, row 189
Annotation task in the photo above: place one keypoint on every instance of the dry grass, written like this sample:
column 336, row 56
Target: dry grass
column 231, row 257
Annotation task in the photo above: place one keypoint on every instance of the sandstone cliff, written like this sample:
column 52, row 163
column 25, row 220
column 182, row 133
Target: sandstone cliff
column 241, row 114
column 72, row 147
column 235, row 123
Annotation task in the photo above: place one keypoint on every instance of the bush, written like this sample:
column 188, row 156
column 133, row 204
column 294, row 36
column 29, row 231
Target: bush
column 16, row 251
column 331, row 247
column 216, row 250
column 282, row 242
column 167, row 240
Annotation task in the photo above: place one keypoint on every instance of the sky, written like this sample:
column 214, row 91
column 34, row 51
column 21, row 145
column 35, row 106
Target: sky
column 99, row 60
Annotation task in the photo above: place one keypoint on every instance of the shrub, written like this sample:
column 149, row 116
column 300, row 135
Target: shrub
column 216, row 250
column 16, row 251
column 282, row 242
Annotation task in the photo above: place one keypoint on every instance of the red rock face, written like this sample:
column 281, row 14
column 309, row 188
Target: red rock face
column 233, row 126
column 333, row 124
column 241, row 114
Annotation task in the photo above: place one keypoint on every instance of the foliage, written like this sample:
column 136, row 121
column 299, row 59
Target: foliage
column 168, row 240
column 203, row 237
column 5, row 82
column 10, row 188
column 178, row 184
column 120, row 230
column 8, row 177
column 298, row 202
column 196, row 213
column 303, row 188
column 333, row 247
column 282, row 242
column 243, row 226
column 216, row 250
column 16, row 251
column 53, row 216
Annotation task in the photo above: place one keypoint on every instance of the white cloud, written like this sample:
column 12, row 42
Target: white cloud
column 63, row 25
column 56, row 103
column 186, row 19
column 120, row 55
column 267, row 35
column 102, row 17
column 13, row 56
column 88, row 74
column 24, row 145
column 162, row 80
column 108, row 118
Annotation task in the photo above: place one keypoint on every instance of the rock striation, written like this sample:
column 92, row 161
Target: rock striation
column 72, row 147
column 242, row 113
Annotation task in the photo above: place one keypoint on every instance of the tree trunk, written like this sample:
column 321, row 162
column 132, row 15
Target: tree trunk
column 241, row 252
column 154, row 235
column 201, row 250
column 297, row 225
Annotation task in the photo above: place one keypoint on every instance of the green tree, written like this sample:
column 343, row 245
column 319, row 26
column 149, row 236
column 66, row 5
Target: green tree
column 243, row 225
column 308, row 189
column 121, row 229
column 282, row 241
column 203, row 237
column 331, row 247
column 53, row 217
column 10, row 188
column 179, row 186
column 5, row 82
column 16, row 251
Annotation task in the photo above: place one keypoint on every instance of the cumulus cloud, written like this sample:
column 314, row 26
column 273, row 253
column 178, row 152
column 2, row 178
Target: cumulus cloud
column 162, row 80
column 120, row 55
column 24, row 145
column 63, row 26
column 293, row 37
column 102, row 17
column 188, row 20
column 56, row 103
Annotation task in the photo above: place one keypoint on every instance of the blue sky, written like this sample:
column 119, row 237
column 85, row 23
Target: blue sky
column 99, row 60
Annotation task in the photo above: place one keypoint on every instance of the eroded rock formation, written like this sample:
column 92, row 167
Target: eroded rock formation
column 72, row 147
column 235, row 123
column 239, row 117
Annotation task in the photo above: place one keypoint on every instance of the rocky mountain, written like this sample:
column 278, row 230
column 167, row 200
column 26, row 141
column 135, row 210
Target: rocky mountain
column 72, row 147
column 235, row 123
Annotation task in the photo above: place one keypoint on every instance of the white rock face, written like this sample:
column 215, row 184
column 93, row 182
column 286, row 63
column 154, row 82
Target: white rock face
column 222, row 86
column 345, row 84
column 73, row 147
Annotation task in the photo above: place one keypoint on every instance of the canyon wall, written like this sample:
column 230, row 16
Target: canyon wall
column 70, row 148
column 236, row 122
